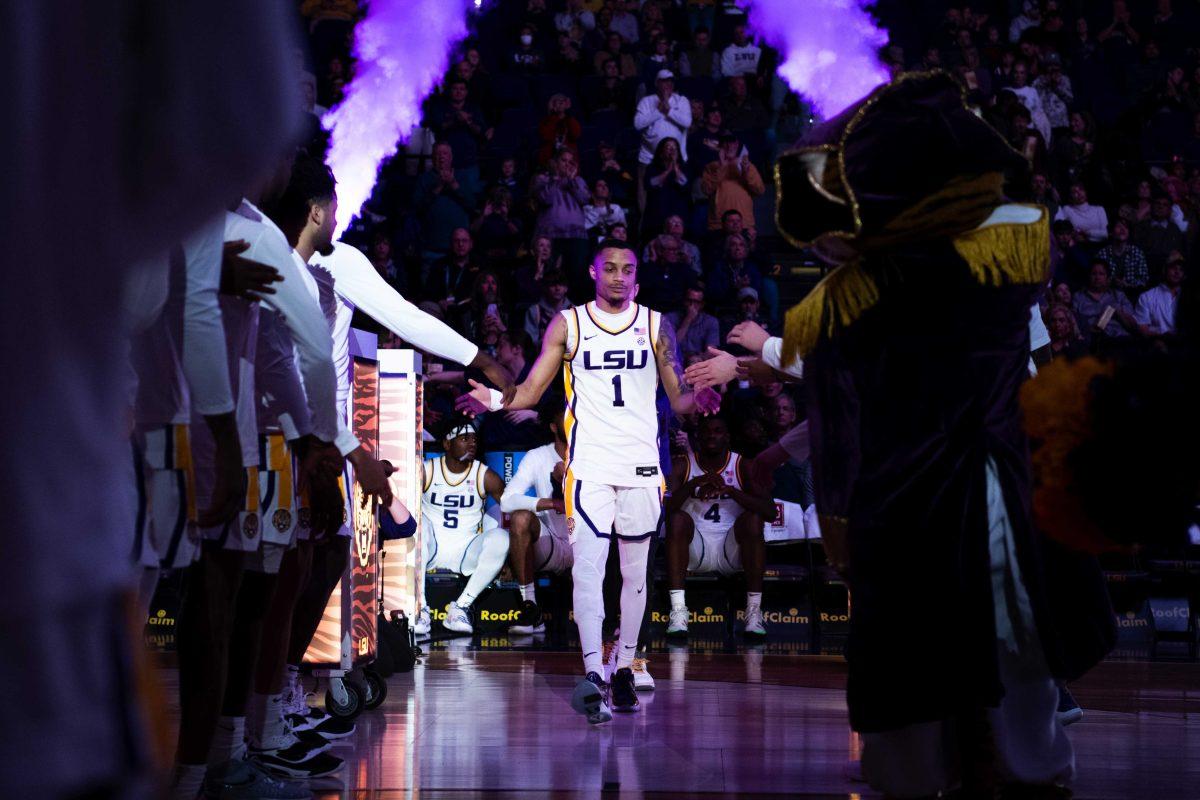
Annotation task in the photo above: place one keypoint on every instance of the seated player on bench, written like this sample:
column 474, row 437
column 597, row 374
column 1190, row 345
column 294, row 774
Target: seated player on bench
column 456, row 534
column 715, row 523
column 538, row 538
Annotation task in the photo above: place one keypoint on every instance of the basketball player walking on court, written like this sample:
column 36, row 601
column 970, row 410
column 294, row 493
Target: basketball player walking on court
column 613, row 353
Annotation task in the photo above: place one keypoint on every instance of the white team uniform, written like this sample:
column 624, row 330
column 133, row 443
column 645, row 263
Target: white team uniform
column 611, row 375
column 452, row 516
column 714, row 548
column 552, row 551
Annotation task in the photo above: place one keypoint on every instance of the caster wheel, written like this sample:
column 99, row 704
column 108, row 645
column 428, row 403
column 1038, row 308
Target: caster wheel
column 376, row 690
column 344, row 701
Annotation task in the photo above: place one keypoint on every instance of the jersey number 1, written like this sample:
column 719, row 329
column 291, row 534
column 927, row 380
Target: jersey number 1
column 617, row 401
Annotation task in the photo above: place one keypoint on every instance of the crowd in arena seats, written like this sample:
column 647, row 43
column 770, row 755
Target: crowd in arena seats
column 563, row 122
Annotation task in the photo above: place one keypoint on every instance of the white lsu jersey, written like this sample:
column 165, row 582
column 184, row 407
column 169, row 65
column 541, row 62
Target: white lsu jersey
column 611, row 379
column 453, row 504
column 715, row 516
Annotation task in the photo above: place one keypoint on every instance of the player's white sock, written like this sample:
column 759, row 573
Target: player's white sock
column 677, row 600
column 265, row 726
column 753, row 600
column 491, row 561
column 633, row 597
column 186, row 782
column 228, row 742
column 528, row 592
column 591, row 557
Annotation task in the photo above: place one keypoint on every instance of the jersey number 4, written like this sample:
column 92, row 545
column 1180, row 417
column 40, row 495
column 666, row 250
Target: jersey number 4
column 713, row 514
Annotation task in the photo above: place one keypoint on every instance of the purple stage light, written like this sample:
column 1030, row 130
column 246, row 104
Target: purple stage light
column 402, row 47
column 829, row 48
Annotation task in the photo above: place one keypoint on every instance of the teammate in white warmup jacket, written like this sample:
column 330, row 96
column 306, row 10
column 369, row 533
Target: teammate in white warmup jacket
column 455, row 532
column 537, row 527
column 614, row 353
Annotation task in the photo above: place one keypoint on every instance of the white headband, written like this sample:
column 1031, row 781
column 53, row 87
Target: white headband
column 460, row 430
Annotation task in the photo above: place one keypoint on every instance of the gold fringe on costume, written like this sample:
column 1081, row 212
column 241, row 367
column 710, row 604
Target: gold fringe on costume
column 997, row 255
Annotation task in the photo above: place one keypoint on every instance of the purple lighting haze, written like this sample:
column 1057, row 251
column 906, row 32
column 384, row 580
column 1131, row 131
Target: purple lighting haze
column 402, row 47
column 829, row 48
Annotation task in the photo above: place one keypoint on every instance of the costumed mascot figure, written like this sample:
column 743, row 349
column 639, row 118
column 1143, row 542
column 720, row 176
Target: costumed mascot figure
column 915, row 346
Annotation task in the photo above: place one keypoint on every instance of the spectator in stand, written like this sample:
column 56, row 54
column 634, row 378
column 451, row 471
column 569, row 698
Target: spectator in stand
column 482, row 318
column 700, row 60
column 612, row 93
column 1030, row 98
column 1025, row 139
column 742, row 57
column 731, row 182
column 619, row 232
column 539, row 19
column 975, row 77
column 704, row 141
column 740, row 110
column 1030, row 17
column 1155, row 313
column 460, row 124
column 1065, row 339
column 525, row 58
column 673, row 226
column 1044, row 193
column 380, row 255
column 614, row 50
column 479, row 84
column 665, row 186
column 1126, row 262
column 747, row 309
column 1143, row 200
column 574, row 14
column 539, row 262
column 1069, row 260
column 621, row 188
column 663, row 279
column 569, row 58
column 510, row 181
column 453, row 277
column 601, row 213
column 733, row 272
column 1075, row 150
column 447, row 196
column 1054, row 89
column 1091, row 305
column 731, row 225
column 1159, row 236
column 624, row 23
column 661, row 57
column 560, row 195
column 497, row 231
column 695, row 330
column 558, row 130
column 553, row 299
column 659, row 116
column 1089, row 220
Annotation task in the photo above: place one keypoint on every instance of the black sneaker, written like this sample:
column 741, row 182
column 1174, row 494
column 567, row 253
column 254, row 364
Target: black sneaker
column 624, row 693
column 529, row 620
column 591, row 699
column 314, row 719
column 1069, row 711
column 317, row 766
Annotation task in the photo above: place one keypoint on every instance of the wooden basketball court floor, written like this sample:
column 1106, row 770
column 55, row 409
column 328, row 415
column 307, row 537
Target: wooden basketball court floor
column 472, row 722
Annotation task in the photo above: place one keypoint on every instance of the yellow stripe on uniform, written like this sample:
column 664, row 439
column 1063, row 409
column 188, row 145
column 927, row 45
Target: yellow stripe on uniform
column 183, row 461
column 279, row 461
column 252, row 500
column 569, row 493
column 569, row 421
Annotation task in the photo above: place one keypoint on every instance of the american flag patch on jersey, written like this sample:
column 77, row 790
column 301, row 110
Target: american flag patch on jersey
column 639, row 331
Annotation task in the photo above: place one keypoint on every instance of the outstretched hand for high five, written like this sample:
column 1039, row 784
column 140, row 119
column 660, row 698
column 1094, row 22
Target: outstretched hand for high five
column 749, row 335
column 719, row 368
column 476, row 401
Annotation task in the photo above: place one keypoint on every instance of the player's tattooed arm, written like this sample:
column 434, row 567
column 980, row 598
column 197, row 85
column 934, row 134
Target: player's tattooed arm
column 683, row 399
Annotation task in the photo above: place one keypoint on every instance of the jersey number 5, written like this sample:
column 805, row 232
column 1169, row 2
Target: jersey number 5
column 714, row 513
column 450, row 517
